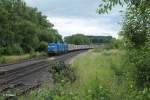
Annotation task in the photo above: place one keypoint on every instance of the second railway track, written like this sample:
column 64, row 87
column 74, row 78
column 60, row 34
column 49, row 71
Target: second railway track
column 21, row 75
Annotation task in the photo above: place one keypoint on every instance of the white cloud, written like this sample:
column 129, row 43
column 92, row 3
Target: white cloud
column 68, row 26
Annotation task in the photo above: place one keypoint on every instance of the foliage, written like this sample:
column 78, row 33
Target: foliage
column 42, row 46
column 116, row 44
column 139, row 95
column 60, row 92
column 15, row 49
column 100, row 39
column 33, row 54
column 77, row 39
column 2, row 60
column 107, row 5
column 136, row 27
column 141, row 60
column 60, row 71
column 95, row 91
column 82, row 39
column 136, row 34
column 22, row 28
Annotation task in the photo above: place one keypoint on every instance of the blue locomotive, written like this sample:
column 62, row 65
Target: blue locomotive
column 60, row 48
column 57, row 48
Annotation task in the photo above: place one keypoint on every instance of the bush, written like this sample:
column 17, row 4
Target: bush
column 2, row 50
column 115, row 44
column 141, row 60
column 43, row 46
column 3, row 60
column 14, row 49
column 33, row 54
column 60, row 71
column 95, row 91
column 139, row 95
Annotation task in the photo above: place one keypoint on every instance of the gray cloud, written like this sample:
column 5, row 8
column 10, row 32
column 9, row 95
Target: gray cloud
column 84, row 11
column 66, row 8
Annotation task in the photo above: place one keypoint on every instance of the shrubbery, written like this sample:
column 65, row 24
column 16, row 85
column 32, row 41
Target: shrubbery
column 137, row 42
column 95, row 91
column 23, row 28
column 136, row 33
column 60, row 71
column 43, row 46
column 2, row 60
column 141, row 59
column 115, row 44
column 138, row 94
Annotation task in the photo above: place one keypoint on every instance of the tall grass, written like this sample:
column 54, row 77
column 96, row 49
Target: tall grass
column 15, row 58
column 102, row 69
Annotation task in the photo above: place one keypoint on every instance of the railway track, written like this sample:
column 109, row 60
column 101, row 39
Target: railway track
column 28, row 75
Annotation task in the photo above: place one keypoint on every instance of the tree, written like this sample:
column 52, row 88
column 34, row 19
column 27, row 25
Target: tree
column 100, row 39
column 107, row 5
column 23, row 28
column 77, row 39
column 136, row 33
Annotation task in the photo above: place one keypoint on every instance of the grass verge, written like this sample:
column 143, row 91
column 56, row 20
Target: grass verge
column 102, row 71
column 15, row 58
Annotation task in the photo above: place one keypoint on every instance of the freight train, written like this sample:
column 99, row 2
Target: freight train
column 60, row 48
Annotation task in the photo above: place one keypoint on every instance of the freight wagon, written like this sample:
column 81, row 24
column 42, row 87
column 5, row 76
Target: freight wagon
column 60, row 48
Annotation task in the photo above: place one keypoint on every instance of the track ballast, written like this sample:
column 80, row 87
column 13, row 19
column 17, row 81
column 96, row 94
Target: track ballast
column 28, row 75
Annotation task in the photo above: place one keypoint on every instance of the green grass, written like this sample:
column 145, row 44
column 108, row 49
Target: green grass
column 103, row 68
column 14, row 58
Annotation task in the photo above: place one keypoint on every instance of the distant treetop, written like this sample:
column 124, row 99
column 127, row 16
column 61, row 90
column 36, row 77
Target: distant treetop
column 77, row 39
column 100, row 39
column 83, row 39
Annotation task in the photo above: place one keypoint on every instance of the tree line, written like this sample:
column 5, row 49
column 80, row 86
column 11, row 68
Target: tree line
column 101, row 39
column 77, row 39
column 80, row 39
column 24, row 29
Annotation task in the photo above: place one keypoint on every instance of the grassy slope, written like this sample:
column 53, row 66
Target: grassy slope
column 101, row 69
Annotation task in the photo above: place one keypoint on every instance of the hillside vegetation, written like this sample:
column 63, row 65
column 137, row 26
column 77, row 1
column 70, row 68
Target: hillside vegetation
column 24, row 29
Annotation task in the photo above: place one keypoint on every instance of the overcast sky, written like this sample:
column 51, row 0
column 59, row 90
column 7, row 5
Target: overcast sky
column 79, row 16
